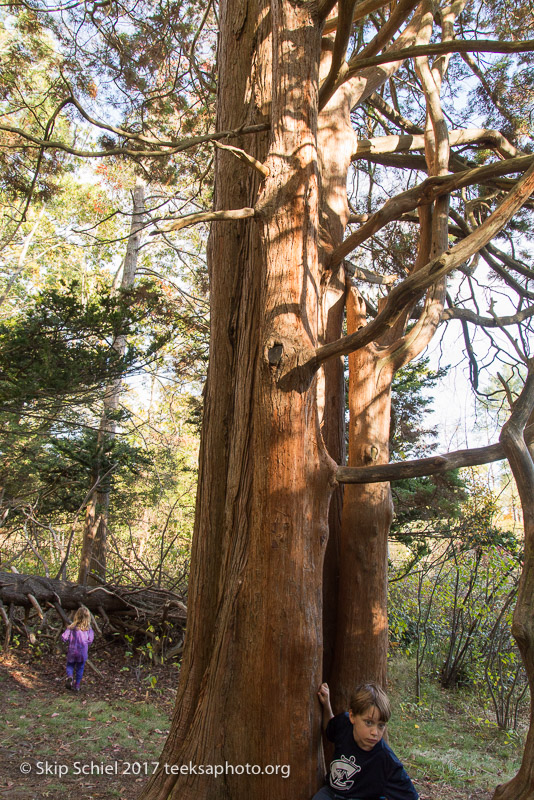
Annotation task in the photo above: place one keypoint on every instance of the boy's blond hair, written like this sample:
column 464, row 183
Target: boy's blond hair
column 82, row 619
column 370, row 694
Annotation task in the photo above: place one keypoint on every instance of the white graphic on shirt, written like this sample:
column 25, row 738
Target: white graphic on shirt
column 341, row 772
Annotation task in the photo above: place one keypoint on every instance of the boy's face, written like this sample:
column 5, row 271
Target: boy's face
column 367, row 728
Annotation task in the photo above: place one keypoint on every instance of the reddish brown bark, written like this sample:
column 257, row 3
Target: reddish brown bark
column 253, row 656
column 362, row 635
column 335, row 145
column 254, row 645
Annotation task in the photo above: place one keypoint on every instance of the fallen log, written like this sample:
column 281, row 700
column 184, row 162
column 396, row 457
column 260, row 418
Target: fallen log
column 142, row 603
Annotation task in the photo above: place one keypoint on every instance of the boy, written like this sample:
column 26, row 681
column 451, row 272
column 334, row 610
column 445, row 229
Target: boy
column 364, row 766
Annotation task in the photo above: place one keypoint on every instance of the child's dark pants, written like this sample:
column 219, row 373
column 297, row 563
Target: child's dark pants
column 75, row 667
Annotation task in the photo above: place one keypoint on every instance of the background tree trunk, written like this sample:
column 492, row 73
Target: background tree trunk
column 522, row 465
column 94, row 545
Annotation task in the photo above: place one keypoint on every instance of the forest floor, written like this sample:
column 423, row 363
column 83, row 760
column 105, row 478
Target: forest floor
column 102, row 743
column 97, row 744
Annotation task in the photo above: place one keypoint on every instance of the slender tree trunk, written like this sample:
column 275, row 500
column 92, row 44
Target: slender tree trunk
column 92, row 521
column 94, row 546
column 522, row 465
column 362, row 632
column 361, row 643
column 336, row 145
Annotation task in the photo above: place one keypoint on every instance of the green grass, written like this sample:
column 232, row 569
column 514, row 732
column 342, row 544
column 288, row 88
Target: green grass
column 43, row 724
column 447, row 742
column 448, row 738
column 66, row 720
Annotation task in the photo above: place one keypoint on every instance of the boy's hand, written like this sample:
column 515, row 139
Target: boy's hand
column 324, row 694
column 324, row 698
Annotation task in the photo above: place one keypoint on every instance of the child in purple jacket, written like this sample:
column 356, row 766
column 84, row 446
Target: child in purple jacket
column 79, row 635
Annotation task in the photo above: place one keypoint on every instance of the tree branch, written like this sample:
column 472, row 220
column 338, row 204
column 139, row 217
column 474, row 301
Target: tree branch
column 360, row 11
column 378, row 102
column 514, row 441
column 435, row 465
column 342, row 71
column 425, row 193
column 362, row 274
column 324, row 7
column 341, row 41
column 206, row 216
column 417, row 32
column 411, row 289
column 169, row 147
column 510, row 262
column 489, row 253
column 466, row 315
column 456, row 46
column 406, row 143
column 470, row 61
column 245, row 158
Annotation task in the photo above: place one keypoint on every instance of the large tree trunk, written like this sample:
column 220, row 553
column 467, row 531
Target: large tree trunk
column 254, row 647
column 522, row 464
column 93, row 556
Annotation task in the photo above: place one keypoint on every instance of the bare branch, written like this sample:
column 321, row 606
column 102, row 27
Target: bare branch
column 426, row 193
column 411, row 289
column 521, row 354
column 490, row 253
column 407, row 143
column 206, row 216
column 487, row 322
column 512, row 263
column 473, row 363
column 361, row 274
column 168, row 148
column 456, row 46
column 508, row 392
column 245, row 157
column 388, row 111
column 435, row 465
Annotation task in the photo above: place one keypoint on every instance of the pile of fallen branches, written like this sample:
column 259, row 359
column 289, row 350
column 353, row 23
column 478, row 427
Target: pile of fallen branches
column 154, row 613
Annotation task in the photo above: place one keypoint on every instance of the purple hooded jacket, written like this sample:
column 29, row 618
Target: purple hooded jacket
column 79, row 642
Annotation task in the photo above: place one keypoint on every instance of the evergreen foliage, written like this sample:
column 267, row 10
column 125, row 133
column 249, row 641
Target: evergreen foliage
column 419, row 502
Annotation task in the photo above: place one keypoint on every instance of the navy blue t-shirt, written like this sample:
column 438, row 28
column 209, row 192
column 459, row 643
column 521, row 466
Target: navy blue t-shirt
column 365, row 774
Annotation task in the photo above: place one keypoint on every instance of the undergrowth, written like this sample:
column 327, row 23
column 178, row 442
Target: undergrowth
column 448, row 737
